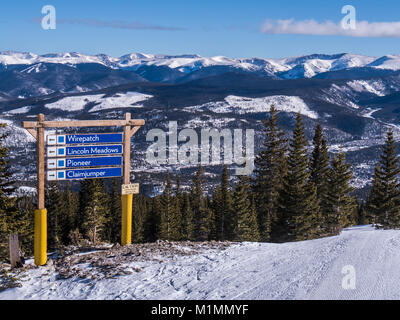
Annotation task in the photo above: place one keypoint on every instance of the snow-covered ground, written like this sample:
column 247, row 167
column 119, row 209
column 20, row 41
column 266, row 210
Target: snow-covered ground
column 302, row 270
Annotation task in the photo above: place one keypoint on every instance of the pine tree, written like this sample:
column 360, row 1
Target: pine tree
column 54, row 205
column 246, row 228
column 188, row 218
column 202, row 213
column 176, row 224
column 341, row 204
column 176, row 231
column 319, row 168
column 153, row 223
column 222, row 206
column 270, row 169
column 95, row 211
column 384, row 199
column 167, row 211
column 139, row 218
column 67, row 214
column 298, row 203
column 114, row 216
column 11, row 220
column 373, row 202
column 26, row 207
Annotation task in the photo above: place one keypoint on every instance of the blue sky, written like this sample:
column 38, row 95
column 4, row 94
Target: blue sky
column 230, row 28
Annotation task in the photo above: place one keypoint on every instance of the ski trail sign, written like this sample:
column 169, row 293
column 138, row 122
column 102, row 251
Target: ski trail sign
column 81, row 156
column 79, row 174
column 68, row 139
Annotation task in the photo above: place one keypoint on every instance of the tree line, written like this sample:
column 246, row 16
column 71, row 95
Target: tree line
column 295, row 193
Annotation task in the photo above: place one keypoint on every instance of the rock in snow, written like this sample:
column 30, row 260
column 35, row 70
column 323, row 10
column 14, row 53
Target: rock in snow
column 317, row 269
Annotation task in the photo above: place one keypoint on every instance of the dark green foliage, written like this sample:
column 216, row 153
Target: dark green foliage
column 270, row 168
column 187, row 218
column 54, row 204
column 114, row 215
column 341, row 205
column 299, row 215
column 384, row 199
column 203, row 215
column 319, row 168
column 167, row 210
column 12, row 220
column 139, row 218
column 153, row 220
column 246, row 228
column 95, row 212
column 222, row 207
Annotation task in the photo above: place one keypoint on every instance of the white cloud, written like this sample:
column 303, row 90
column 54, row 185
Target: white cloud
column 312, row 27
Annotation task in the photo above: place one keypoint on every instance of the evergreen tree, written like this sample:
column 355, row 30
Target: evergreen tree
column 11, row 220
column 176, row 231
column 26, row 207
column 167, row 210
column 373, row 202
column 246, row 218
column 319, row 167
column 139, row 218
column 341, row 204
column 270, row 169
column 202, row 213
column 188, row 218
column 154, row 219
column 95, row 211
column 222, row 205
column 114, row 216
column 298, row 203
column 68, row 213
column 54, row 205
column 385, row 193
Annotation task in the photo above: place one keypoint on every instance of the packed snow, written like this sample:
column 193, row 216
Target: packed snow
column 78, row 103
column 361, row 263
column 21, row 110
column 375, row 87
column 127, row 100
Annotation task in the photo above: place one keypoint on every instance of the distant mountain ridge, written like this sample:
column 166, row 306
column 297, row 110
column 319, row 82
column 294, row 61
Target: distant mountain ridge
column 296, row 67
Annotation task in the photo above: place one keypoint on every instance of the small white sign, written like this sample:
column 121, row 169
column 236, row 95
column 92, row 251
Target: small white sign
column 52, row 175
column 132, row 188
column 51, row 140
column 52, row 152
column 51, row 164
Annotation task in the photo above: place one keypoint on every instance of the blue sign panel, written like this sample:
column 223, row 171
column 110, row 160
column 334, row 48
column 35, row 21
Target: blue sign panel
column 90, row 138
column 89, row 173
column 89, row 162
column 90, row 150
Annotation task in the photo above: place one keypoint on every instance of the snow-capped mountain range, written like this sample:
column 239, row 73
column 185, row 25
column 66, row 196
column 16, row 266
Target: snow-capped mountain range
column 288, row 68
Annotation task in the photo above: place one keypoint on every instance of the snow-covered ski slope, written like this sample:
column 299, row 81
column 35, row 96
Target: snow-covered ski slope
column 302, row 270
